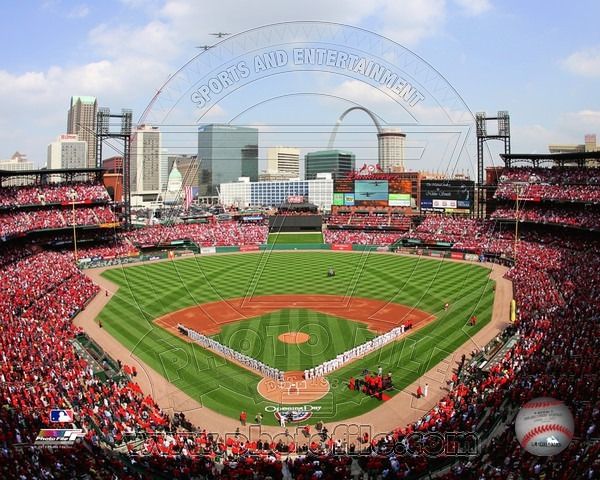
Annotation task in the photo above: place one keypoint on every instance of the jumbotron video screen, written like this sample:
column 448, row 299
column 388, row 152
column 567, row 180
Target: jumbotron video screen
column 393, row 192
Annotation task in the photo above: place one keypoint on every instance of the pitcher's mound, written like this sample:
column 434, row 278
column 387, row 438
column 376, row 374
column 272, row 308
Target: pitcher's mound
column 294, row 337
column 294, row 390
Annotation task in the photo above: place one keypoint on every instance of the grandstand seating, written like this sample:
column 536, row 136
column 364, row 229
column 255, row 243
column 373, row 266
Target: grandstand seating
column 52, row 194
column 203, row 234
column 542, row 184
column 45, row 207
column 556, row 282
column 22, row 222
column 361, row 237
column 554, row 214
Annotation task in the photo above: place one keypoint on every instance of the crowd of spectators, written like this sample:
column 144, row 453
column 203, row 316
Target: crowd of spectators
column 542, row 192
column 445, row 228
column 558, row 215
column 376, row 219
column 41, row 370
column 33, row 208
column 52, row 194
column 224, row 233
column 112, row 248
column 556, row 284
column 360, row 237
column 25, row 221
column 554, row 184
column 557, row 175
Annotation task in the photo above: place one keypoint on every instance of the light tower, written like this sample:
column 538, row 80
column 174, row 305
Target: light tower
column 503, row 135
column 104, row 133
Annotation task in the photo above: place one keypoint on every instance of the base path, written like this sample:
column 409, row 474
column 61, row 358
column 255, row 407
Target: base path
column 397, row 412
column 379, row 316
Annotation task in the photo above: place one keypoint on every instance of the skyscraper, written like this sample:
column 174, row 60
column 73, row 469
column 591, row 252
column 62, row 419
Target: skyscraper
column 226, row 153
column 337, row 162
column 68, row 151
column 82, row 122
column 145, row 160
column 391, row 149
column 284, row 161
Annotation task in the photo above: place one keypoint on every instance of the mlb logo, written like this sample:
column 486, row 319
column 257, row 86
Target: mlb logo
column 61, row 416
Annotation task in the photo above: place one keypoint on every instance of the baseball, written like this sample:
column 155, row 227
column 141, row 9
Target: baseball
column 544, row 426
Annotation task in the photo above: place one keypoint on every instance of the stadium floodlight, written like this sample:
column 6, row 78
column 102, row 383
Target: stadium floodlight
column 102, row 120
column 503, row 124
column 480, row 123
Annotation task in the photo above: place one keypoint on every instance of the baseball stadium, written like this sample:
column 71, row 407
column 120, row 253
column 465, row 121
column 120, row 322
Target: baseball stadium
column 393, row 331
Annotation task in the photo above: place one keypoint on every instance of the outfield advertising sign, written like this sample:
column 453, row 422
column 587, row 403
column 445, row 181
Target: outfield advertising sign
column 399, row 200
column 341, row 246
column 338, row 199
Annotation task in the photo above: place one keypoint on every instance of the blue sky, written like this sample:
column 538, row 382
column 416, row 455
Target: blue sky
column 539, row 60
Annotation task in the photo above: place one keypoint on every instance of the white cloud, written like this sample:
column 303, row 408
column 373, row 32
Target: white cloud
column 584, row 121
column 156, row 40
column 128, row 60
column 410, row 22
column 406, row 22
column 474, row 7
column 584, row 62
column 570, row 128
column 533, row 138
column 361, row 93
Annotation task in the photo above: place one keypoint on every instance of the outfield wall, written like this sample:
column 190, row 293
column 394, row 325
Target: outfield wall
column 95, row 262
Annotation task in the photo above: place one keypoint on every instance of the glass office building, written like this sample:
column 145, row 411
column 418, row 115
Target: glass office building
column 226, row 153
column 336, row 162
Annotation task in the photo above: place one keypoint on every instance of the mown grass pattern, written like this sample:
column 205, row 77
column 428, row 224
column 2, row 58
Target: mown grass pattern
column 151, row 290
column 283, row 237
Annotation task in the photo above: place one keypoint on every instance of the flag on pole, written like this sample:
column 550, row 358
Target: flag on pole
column 188, row 197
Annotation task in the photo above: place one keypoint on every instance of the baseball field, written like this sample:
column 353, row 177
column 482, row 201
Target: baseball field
column 248, row 302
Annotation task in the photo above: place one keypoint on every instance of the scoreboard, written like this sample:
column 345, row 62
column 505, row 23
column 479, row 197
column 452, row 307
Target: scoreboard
column 447, row 195
column 393, row 192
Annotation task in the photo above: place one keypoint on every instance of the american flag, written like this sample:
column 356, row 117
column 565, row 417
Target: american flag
column 188, row 197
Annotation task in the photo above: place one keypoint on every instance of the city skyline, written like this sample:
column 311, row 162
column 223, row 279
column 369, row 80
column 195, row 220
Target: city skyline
column 543, row 78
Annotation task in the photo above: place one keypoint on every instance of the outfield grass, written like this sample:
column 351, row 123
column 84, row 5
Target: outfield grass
column 151, row 290
column 279, row 238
